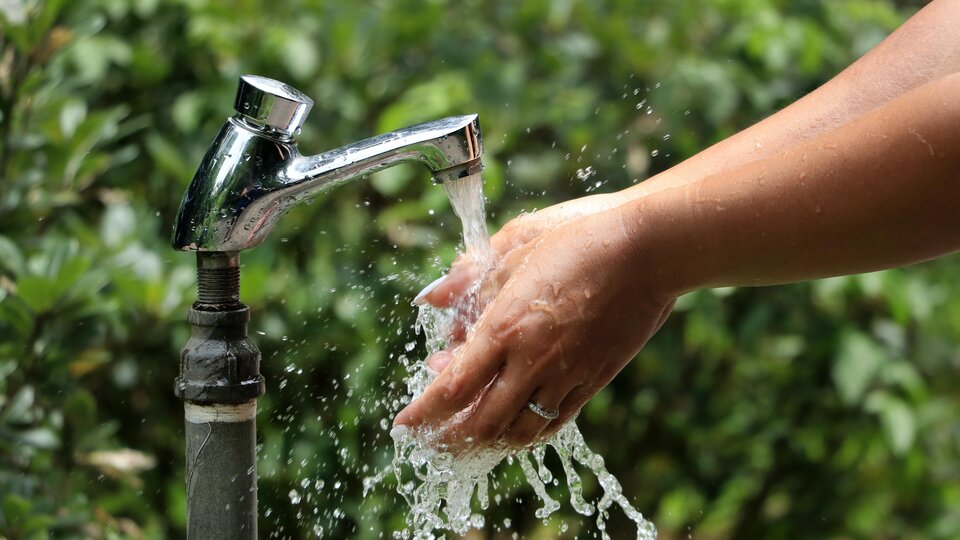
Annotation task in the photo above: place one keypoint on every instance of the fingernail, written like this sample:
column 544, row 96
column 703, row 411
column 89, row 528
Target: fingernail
column 428, row 289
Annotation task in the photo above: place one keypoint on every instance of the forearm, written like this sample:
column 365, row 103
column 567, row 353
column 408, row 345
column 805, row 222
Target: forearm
column 881, row 191
column 923, row 49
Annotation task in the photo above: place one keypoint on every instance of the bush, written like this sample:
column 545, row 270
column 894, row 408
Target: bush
column 821, row 410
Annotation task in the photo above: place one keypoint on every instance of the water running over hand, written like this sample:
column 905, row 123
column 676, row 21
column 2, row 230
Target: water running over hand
column 439, row 486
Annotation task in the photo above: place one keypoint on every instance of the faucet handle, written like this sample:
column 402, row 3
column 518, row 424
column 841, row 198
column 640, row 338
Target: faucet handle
column 270, row 104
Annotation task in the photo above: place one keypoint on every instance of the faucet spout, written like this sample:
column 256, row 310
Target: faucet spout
column 253, row 172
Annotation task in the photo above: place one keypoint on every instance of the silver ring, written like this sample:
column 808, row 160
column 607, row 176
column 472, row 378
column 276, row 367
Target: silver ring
column 539, row 410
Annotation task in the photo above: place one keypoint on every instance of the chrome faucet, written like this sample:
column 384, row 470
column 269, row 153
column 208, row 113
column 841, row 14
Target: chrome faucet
column 253, row 171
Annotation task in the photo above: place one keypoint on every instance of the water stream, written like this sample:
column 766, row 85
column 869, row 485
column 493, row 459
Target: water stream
column 444, row 490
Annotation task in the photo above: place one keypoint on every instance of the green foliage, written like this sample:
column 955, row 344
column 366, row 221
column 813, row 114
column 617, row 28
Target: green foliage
column 822, row 410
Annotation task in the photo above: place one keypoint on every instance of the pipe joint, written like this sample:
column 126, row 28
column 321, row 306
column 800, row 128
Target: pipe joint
column 219, row 363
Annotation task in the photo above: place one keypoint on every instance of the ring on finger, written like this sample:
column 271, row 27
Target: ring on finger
column 543, row 412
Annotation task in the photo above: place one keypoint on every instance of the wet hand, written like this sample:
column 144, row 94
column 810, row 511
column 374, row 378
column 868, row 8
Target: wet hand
column 571, row 313
column 510, row 245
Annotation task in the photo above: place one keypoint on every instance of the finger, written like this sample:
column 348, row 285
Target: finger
column 458, row 330
column 496, row 410
column 471, row 368
column 446, row 290
column 469, row 309
column 499, row 275
column 569, row 408
column 439, row 360
column 529, row 424
column 518, row 232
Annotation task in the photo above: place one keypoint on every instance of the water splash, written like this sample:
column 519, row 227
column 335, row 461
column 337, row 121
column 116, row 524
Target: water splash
column 440, row 487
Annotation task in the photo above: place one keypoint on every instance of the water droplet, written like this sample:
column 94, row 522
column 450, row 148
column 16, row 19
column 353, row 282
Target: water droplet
column 585, row 174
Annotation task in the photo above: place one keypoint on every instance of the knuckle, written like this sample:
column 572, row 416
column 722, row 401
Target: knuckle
column 487, row 432
column 519, row 437
column 551, row 356
column 506, row 329
column 515, row 225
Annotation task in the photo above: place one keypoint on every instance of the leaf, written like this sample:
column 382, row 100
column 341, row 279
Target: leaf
column 96, row 436
column 679, row 506
column 168, row 158
column 426, row 101
column 13, row 14
column 857, row 364
column 898, row 420
column 301, row 55
column 10, row 256
column 16, row 508
column 186, row 111
column 18, row 315
column 72, row 114
column 94, row 129
column 42, row 437
column 118, row 224
column 18, row 408
column 88, row 361
column 37, row 292
column 390, row 181
column 71, row 272
column 120, row 461
column 80, row 410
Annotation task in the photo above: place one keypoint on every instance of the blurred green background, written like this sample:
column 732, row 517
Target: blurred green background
column 822, row 410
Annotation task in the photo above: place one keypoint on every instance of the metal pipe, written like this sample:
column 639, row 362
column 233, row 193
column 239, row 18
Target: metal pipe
column 219, row 382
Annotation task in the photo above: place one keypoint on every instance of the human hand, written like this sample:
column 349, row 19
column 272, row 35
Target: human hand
column 570, row 315
column 511, row 243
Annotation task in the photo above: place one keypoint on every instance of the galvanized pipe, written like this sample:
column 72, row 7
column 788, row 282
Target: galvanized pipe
column 219, row 382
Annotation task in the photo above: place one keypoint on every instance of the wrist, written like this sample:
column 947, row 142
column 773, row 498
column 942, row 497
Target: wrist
column 660, row 232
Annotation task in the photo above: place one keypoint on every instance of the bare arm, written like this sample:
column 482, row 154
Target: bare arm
column 881, row 191
column 923, row 49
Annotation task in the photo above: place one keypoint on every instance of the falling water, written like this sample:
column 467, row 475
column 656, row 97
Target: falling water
column 441, row 487
column 466, row 196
